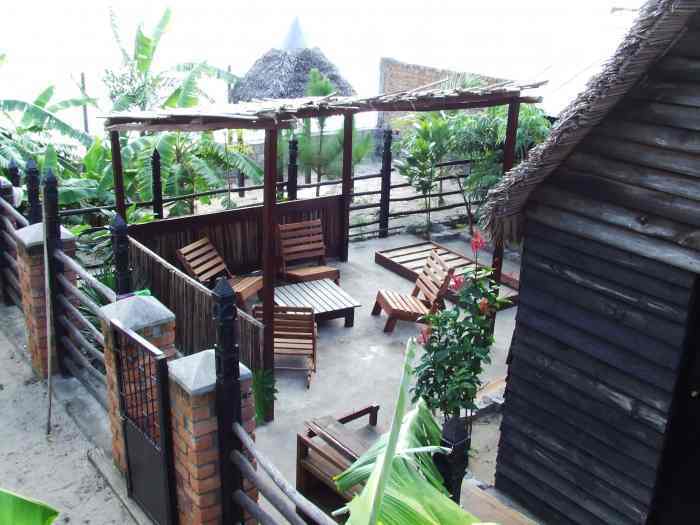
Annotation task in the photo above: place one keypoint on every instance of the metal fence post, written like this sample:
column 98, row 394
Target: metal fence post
column 241, row 184
column 32, row 180
column 13, row 174
column 386, row 185
column 54, row 267
column 120, row 248
column 228, row 395
column 292, row 170
column 156, row 185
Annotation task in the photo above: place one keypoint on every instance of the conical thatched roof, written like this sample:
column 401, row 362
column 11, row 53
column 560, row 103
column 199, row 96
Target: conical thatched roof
column 284, row 73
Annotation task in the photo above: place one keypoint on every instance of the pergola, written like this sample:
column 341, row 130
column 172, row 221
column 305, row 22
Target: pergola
column 273, row 115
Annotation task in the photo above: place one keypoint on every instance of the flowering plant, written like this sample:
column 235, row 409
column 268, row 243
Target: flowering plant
column 458, row 340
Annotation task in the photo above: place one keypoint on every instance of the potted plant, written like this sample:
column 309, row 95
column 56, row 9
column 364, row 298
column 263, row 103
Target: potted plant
column 456, row 346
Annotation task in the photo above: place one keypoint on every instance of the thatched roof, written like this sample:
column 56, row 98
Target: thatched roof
column 658, row 25
column 282, row 113
column 283, row 73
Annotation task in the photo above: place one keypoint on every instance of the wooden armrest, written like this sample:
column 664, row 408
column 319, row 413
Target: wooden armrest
column 371, row 410
column 308, row 444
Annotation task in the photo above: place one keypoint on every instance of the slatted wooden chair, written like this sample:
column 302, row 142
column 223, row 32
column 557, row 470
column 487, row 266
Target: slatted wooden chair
column 294, row 337
column 427, row 296
column 202, row 261
column 302, row 242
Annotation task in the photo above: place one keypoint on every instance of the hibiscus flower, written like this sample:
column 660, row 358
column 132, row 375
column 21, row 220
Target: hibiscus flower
column 478, row 242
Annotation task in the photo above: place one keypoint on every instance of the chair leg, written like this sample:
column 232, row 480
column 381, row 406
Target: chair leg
column 377, row 308
column 390, row 325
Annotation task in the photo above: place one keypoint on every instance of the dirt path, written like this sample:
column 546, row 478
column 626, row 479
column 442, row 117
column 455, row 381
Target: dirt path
column 53, row 469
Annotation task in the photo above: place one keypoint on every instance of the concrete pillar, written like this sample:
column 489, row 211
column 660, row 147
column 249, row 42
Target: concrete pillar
column 150, row 319
column 30, row 268
column 195, row 442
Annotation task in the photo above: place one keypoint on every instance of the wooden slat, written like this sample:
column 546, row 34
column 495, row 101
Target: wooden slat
column 659, row 90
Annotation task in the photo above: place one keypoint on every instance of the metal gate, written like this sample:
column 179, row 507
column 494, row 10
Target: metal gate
column 142, row 376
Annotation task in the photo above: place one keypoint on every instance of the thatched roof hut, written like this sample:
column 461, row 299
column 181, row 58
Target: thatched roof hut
column 600, row 423
column 283, row 73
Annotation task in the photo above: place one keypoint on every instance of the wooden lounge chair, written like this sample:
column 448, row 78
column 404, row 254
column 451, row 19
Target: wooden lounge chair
column 432, row 283
column 294, row 337
column 203, row 262
column 301, row 242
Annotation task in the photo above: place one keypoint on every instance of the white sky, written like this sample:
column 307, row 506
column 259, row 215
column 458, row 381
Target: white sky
column 53, row 42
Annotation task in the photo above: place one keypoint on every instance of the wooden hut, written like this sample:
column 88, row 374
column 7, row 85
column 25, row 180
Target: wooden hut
column 601, row 421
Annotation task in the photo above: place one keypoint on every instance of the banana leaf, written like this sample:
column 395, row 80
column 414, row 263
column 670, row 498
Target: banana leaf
column 403, row 486
column 18, row 510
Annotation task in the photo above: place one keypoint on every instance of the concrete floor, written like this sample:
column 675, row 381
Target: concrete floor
column 361, row 365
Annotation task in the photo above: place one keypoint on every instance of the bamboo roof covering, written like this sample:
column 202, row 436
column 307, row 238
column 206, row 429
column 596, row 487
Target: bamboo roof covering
column 282, row 113
column 659, row 24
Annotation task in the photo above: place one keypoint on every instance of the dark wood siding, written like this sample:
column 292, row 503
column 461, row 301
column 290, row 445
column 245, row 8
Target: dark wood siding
column 599, row 338
column 610, row 260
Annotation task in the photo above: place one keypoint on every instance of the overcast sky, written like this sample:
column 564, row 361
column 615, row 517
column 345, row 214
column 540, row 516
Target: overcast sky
column 53, row 42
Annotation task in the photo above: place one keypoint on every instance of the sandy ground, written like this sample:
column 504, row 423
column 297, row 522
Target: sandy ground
column 53, row 469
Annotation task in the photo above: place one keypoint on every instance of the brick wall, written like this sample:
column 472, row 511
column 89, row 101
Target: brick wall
column 196, row 453
column 397, row 76
column 30, row 269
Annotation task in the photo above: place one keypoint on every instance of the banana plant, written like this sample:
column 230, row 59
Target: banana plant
column 402, row 483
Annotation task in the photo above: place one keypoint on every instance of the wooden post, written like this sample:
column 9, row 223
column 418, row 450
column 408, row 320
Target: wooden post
column 120, row 248
column 54, row 267
column 508, row 161
column 347, row 183
column 5, row 248
column 118, row 173
column 386, row 185
column 268, row 254
column 85, row 112
column 156, row 185
column 241, row 184
column 292, row 170
column 228, row 396
column 13, row 175
column 32, row 180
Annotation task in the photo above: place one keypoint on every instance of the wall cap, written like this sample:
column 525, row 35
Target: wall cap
column 138, row 312
column 196, row 373
column 33, row 235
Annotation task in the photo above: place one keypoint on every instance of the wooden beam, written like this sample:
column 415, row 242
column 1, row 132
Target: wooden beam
column 508, row 162
column 347, row 183
column 268, row 254
column 118, row 174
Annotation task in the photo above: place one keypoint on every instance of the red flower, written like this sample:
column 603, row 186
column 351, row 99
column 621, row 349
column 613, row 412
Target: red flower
column 457, row 283
column 423, row 336
column 478, row 242
column 484, row 305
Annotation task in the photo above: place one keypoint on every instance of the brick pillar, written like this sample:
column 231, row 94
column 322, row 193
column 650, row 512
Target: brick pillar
column 150, row 319
column 30, row 267
column 195, row 442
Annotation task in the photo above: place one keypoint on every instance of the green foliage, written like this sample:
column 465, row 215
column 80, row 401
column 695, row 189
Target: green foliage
column 457, row 345
column 402, row 484
column 18, row 510
column 264, row 393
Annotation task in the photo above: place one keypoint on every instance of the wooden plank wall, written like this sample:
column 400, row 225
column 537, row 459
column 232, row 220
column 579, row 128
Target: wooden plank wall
column 237, row 233
column 611, row 255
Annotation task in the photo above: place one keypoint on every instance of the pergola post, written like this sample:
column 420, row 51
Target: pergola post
column 508, row 161
column 118, row 173
column 269, row 261
column 347, row 183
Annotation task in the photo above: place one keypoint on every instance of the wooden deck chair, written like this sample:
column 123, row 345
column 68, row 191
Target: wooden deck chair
column 432, row 283
column 202, row 261
column 301, row 242
column 294, row 337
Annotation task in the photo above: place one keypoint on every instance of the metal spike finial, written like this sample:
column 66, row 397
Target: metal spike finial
column 31, row 165
column 50, row 179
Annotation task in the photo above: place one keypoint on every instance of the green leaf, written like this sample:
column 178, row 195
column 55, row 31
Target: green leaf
column 144, row 49
column 114, row 24
column 49, row 121
column 44, row 97
column 77, row 102
column 18, row 510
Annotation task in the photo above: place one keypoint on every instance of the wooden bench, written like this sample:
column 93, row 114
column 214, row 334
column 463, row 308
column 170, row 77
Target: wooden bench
column 202, row 261
column 294, row 337
column 303, row 242
column 432, row 283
